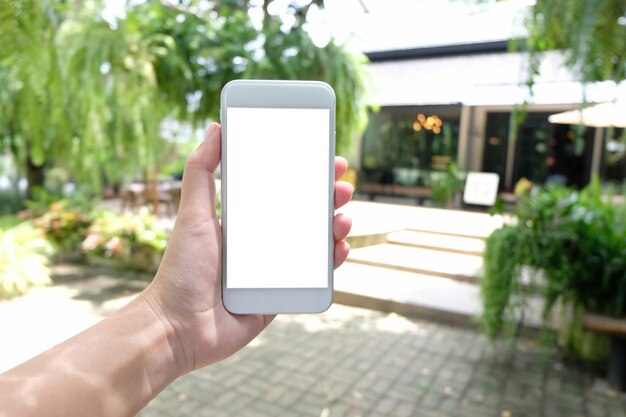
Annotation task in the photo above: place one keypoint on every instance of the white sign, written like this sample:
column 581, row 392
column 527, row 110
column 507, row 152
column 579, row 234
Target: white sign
column 481, row 188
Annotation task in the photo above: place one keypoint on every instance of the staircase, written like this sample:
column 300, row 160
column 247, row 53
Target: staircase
column 420, row 273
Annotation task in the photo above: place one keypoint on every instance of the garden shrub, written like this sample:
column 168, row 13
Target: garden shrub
column 24, row 254
column 446, row 186
column 65, row 227
column 135, row 241
column 576, row 238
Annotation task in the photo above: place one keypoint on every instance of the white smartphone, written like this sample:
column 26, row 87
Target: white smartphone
column 278, row 173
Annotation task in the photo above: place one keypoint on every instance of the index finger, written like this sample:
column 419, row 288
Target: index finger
column 341, row 167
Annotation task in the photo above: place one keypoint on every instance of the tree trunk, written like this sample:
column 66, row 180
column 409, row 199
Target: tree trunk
column 36, row 175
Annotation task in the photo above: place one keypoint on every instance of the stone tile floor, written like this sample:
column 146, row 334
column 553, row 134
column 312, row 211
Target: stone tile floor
column 357, row 362
column 345, row 362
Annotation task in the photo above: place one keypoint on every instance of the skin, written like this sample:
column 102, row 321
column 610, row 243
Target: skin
column 178, row 324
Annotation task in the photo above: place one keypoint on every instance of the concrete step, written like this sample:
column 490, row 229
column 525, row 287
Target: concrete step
column 456, row 266
column 438, row 241
column 375, row 218
column 418, row 295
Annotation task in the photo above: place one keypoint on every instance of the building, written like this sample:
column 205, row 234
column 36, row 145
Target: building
column 450, row 91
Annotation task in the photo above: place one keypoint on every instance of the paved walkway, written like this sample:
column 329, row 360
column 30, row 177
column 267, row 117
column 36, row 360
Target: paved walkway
column 345, row 362
column 355, row 362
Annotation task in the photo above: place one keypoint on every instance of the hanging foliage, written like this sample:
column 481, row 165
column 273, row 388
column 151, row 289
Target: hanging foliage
column 80, row 93
column 89, row 95
column 592, row 34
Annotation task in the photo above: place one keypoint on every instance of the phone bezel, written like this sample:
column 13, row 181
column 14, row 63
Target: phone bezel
column 277, row 94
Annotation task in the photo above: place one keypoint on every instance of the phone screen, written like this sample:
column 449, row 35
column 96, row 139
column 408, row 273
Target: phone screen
column 277, row 182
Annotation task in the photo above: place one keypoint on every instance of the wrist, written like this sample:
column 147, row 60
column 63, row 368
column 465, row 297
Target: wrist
column 169, row 342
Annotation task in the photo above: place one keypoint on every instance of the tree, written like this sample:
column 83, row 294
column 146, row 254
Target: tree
column 592, row 34
column 89, row 95
column 291, row 54
column 80, row 94
column 217, row 42
column 32, row 102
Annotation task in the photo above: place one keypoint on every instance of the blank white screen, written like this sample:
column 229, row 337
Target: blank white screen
column 277, row 163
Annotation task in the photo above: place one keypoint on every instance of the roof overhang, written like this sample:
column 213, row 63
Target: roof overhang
column 486, row 79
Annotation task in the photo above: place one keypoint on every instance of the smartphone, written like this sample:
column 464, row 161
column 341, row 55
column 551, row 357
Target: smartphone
column 278, row 173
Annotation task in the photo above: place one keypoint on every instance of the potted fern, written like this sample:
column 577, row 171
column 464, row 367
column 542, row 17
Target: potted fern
column 577, row 239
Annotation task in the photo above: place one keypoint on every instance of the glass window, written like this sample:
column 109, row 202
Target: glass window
column 544, row 152
column 403, row 145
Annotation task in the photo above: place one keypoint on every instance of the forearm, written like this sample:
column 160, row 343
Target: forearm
column 112, row 369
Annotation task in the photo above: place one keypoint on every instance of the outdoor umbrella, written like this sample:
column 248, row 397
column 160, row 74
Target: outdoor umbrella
column 599, row 115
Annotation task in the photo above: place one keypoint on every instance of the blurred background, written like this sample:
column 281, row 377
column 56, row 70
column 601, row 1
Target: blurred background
column 488, row 153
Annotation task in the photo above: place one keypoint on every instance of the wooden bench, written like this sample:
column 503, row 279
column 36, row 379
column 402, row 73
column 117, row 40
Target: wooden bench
column 616, row 329
column 374, row 189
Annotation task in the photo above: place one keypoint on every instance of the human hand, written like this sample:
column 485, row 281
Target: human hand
column 186, row 293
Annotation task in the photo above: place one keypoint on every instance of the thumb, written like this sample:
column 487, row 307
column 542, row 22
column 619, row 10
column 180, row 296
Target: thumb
column 198, row 189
